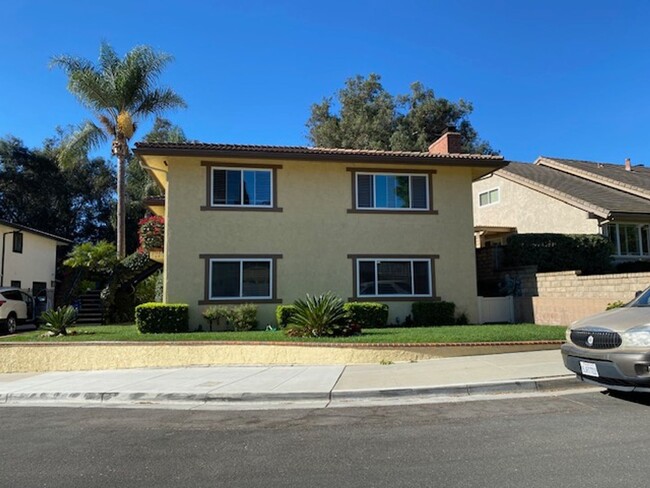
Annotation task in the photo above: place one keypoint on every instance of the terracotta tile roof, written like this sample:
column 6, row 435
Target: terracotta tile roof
column 145, row 148
column 586, row 194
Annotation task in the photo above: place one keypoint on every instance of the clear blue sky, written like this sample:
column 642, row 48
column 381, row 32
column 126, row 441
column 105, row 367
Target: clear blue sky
column 559, row 78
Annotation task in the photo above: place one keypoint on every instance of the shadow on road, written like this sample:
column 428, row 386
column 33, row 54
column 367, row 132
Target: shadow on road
column 638, row 398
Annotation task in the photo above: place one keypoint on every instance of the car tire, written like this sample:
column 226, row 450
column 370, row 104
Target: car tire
column 12, row 322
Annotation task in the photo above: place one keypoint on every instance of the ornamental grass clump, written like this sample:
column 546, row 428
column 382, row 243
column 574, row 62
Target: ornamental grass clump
column 318, row 316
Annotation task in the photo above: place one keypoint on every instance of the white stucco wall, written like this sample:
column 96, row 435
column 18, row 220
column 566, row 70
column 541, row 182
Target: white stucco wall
column 528, row 210
column 37, row 262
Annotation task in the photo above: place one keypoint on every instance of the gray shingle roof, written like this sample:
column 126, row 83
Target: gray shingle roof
column 589, row 195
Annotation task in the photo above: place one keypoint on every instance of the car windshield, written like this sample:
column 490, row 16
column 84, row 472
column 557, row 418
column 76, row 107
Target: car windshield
column 643, row 300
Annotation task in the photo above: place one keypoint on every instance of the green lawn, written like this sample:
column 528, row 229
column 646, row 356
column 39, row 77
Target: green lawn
column 466, row 333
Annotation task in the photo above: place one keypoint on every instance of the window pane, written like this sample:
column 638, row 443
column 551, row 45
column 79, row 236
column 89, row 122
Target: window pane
column 629, row 236
column 394, row 278
column 494, row 196
column 644, row 239
column 225, row 279
column 381, row 191
column 421, row 279
column 262, row 188
column 218, row 187
column 401, row 186
column 257, row 279
column 419, row 192
column 18, row 242
column 366, row 278
column 483, row 199
column 364, row 191
column 233, row 187
column 249, row 187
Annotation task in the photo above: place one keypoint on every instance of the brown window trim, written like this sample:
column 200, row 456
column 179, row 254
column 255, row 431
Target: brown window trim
column 387, row 298
column 274, row 279
column 429, row 173
column 208, row 191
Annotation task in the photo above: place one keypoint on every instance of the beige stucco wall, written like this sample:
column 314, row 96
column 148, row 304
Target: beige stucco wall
column 528, row 210
column 36, row 263
column 315, row 234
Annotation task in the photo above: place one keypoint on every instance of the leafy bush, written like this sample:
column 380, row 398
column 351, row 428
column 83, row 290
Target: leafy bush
column 241, row 317
column 57, row 321
column 616, row 304
column 589, row 253
column 145, row 291
column 155, row 318
column 318, row 316
column 159, row 287
column 151, row 233
column 367, row 314
column 433, row 313
column 99, row 259
column 284, row 315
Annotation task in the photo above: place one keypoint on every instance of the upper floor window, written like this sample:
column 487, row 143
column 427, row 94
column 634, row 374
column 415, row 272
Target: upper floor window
column 18, row 242
column 629, row 239
column 242, row 187
column 489, row 197
column 392, row 192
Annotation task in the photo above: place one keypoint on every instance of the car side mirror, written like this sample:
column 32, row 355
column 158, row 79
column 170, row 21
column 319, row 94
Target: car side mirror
column 637, row 293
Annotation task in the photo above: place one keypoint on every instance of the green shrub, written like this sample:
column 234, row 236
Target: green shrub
column 241, row 317
column 57, row 321
column 244, row 317
column 318, row 316
column 155, row 318
column 589, row 253
column 433, row 313
column 284, row 315
column 367, row 314
column 616, row 304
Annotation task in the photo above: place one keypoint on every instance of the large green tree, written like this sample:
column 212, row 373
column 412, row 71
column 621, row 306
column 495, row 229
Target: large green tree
column 120, row 92
column 38, row 192
column 363, row 115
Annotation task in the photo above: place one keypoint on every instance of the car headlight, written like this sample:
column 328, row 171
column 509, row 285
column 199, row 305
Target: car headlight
column 567, row 334
column 637, row 337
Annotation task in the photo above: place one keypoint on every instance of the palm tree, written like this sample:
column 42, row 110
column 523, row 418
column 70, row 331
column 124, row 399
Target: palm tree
column 120, row 92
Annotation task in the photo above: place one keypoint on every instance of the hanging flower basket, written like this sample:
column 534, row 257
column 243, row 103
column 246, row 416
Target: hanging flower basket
column 152, row 234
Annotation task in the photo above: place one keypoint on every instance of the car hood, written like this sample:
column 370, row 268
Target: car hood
column 619, row 319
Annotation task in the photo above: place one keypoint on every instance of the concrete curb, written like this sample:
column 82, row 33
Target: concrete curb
column 566, row 382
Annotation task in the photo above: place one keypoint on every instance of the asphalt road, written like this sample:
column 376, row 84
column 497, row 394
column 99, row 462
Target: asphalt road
column 590, row 440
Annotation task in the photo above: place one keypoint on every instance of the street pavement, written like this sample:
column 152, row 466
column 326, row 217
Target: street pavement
column 263, row 387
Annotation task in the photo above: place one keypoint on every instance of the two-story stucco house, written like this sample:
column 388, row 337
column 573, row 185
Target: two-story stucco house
column 567, row 197
column 268, row 224
column 29, row 258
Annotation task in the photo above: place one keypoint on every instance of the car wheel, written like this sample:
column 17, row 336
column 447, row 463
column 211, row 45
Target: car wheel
column 11, row 324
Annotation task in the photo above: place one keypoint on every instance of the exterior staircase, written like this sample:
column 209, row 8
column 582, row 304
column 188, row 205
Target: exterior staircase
column 91, row 310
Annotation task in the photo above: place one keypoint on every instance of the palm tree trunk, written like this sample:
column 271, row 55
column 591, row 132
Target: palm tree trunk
column 121, row 150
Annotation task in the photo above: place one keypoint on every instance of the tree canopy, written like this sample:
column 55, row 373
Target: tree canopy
column 119, row 92
column 363, row 115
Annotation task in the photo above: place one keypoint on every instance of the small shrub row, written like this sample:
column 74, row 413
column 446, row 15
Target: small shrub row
column 240, row 318
column 433, row 313
column 156, row 318
column 362, row 314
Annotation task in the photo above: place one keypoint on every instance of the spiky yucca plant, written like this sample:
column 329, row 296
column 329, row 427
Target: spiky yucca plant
column 57, row 321
column 317, row 316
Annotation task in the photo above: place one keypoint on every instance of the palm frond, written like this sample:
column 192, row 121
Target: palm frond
column 75, row 147
column 158, row 100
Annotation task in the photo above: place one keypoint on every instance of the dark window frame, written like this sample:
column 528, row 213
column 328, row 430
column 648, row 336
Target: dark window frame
column 210, row 166
column 16, row 284
column 429, row 173
column 357, row 258
column 209, row 258
column 18, row 242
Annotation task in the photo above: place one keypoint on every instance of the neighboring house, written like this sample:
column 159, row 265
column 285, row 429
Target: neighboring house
column 268, row 224
column 29, row 258
column 569, row 197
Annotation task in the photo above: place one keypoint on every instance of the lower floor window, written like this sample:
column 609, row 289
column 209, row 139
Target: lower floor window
column 240, row 278
column 393, row 277
column 629, row 239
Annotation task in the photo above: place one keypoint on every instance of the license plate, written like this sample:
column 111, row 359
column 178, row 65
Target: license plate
column 589, row 369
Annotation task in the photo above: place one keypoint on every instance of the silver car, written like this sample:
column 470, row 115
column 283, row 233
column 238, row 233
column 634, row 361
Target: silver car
column 612, row 349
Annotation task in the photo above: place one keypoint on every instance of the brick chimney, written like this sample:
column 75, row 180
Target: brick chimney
column 447, row 143
column 628, row 164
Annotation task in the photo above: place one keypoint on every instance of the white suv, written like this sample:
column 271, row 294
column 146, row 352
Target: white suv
column 16, row 307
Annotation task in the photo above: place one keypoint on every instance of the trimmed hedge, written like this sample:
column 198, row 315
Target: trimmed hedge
column 156, row 318
column 284, row 314
column 589, row 253
column 433, row 313
column 367, row 314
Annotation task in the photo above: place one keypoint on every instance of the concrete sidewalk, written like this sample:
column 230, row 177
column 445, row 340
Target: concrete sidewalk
column 272, row 386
